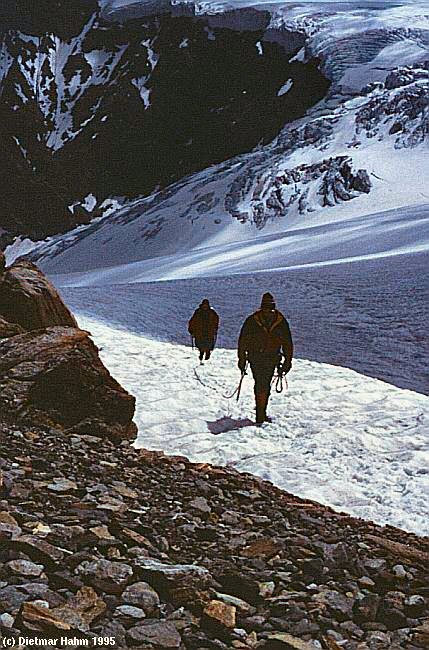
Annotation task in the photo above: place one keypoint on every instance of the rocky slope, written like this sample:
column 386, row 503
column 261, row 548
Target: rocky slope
column 100, row 540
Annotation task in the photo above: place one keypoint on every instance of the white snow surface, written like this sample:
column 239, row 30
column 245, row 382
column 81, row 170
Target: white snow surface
column 366, row 451
column 285, row 88
column 21, row 246
column 387, row 234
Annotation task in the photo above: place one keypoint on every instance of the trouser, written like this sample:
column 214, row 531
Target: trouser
column 262, row 370
column 204, row 354
column 205, row 348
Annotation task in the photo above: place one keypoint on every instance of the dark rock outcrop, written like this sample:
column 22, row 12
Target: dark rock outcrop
column 403, row 112
column 302, row 189
column 9, row 329
column 55, row 374
column 50, row 371
column 29, row 299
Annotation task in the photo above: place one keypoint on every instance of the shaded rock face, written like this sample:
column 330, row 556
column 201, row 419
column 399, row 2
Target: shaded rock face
column 9, row 329
column 118, row 108
column 55, row 374
column 50, row 370
column 30, row 300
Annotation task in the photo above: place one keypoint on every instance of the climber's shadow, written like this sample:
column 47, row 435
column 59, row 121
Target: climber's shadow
column 228, row 424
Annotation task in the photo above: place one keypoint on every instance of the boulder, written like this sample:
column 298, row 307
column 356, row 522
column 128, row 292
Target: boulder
column 284, row 640
column 111, row 577
column 81, row 609
column 56, row 376
column 169, row 576
column 221, row 613
column 160, row 634
column 142, row 595
column 40, row 618
column 39, row 550
column 30, row 300
column 25, row 568
column 11, row 598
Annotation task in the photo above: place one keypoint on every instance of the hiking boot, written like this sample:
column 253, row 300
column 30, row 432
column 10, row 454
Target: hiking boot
column 268, row 418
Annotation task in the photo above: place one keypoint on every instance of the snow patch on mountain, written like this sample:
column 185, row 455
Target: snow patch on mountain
column 285, row 88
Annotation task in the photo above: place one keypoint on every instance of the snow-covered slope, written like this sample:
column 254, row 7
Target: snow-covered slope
column 366, row 451
column 367, row 156
column 104, row 106
column 363, row 150
column 387, row 234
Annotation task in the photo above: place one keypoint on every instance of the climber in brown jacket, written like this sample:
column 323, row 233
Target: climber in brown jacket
column 264, row 339
column 203, row 327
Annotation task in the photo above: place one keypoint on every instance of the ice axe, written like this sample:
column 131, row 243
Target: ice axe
column 238, row 389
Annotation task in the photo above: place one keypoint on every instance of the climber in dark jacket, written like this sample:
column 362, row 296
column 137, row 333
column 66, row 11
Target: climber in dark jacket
column 264, row 339
column 203, row 327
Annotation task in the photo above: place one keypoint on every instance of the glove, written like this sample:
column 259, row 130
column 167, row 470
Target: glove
column 242, row 365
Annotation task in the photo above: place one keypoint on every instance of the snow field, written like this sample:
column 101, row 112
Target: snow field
column 384, row 234
column 352, row 442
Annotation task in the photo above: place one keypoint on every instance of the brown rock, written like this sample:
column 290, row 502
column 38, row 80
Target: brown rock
column 62, row 485
column 261, row 548
column 136, row 538
column 165, row 577
column 9, row 524
column 41, row 617
column 159, row 634
column 289, row 641
column 9, row 329
column 102, row 533
column 111, row 577
column 239, row 604
column 55, row 375
column 334, row 601
column 39, row 550
column 403, row 551
column 421, row 634
column 331, row 644
column 29, row 299
column 142, row 595
column 221, row 613
column 81, row 610
column 25, row 568
column 125, row 491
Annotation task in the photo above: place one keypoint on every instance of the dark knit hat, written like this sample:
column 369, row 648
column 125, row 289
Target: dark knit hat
column 204, row 303
column 268, row 301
